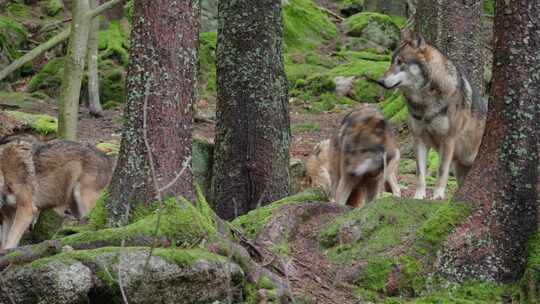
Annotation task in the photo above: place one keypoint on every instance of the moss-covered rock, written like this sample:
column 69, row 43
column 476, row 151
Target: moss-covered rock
column 49, row 79
column 41, row 123
column 529, row 285
column 21, row 100
column 180, row 224
column 378, row 28
column 84, row 276
column 350, row 7
column 254, row 221
column 12, row 37
column 113, row 44
column 306, row 25
column 112, row 80
column 17, row 9
column 53, row 7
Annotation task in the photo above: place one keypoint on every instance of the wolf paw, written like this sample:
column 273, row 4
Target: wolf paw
column 438, row 194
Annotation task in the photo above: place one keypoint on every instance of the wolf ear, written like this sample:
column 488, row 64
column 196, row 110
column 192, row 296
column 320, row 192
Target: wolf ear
column 419, row 42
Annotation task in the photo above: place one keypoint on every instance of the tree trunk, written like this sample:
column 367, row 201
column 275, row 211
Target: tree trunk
column 161, row 86
column 455, row 28
column 73, row 72
column 93, row 75
column 504, row 183
column 251, row 159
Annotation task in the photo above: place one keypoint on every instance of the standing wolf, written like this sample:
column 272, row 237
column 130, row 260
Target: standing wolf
column 35, row 175
column 444, row 112
column 362, row 155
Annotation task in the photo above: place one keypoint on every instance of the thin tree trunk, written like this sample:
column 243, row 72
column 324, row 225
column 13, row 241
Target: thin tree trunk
column 455, row 27
column 155, row 152
column 504, row 183
column 94, row 104
column 251, row 158
column 73, row 72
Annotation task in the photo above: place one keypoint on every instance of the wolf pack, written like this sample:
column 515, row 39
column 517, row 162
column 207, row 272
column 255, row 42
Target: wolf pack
column 354, row 166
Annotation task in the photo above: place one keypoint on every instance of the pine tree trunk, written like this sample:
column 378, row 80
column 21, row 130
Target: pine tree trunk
column 504, row 183
column 455, row 28
column 253, row 130
column 73, row 71
column 94, row 104
column 161, row 86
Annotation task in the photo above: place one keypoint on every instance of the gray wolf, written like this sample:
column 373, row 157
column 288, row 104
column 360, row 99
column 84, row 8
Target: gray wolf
column 444, row 111
column 361, row 156
column 62, row 175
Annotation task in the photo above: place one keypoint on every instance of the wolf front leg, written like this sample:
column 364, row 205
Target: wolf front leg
column 344, row 190
column 446, row 154
column 22, row 220
column 421, row 163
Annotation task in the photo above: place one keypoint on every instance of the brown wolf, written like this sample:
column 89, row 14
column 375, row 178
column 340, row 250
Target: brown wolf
column 318, row 167
column 362, row 156
column 444, row 111
column 35, row 175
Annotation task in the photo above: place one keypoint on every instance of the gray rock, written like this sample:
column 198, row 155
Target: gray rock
column 344, row 86
column 56, row 282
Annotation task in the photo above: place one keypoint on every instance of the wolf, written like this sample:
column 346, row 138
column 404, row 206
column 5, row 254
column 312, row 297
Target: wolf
column 445, row 113
column 362, row 155
column 34, row 175
column 317, row 167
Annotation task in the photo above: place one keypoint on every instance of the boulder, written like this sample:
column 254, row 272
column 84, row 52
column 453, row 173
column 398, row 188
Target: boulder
column 380, row 29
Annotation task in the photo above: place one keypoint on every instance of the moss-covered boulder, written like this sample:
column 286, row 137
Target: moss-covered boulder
column 351, row 7
column 113, row 44
column 40, row 123
column 378, row 28
column 529, row 285
column 306, row 25
column 391, row 244
column 49, row 79
column 13, row 36
column 93, row 276
column 53, row 7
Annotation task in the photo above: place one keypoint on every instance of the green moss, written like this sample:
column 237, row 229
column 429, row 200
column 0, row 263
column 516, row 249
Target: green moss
column 382, row 225
column 366, row 91
column 113, row 44
column 367, row 68
column 407, row 166
column 18, row 10
column 97, row 219
column 433, row 162
column 400, row 117
column 181, row 224
column 394, row 104
column 254, row 221
column 319, row 84
column 529, row 284
column 306, row 127
column 47, row 226
column 306, row 25
column 357, row 23
column 111, row 104
column 41, row 123
column 324, row 103
column 49, row 79
column 375, row 274
column 365, row 55
column 467, row 293
column 53, row 7
column 12, row 37
column 187, row 256
column 202, row 157
column 111, row 81
column 128, row 10
column 19, row 99
column 489, row 7
column 207, row 63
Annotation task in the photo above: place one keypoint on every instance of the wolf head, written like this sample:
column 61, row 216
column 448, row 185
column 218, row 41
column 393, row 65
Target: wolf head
column 409, row 63
column 362, row 139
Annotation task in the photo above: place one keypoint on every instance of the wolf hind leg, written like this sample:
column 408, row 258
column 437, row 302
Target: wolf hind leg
column 85, row 195
column 446, row 154
column 461, row 172
column 23, row 219
column 421, row 165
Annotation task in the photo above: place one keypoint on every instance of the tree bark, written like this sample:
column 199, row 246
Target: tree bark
column 73, row 72
column 155, row 153
column 504, row 183
column 94, row 104
column 455, row 28
column 251, row 159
